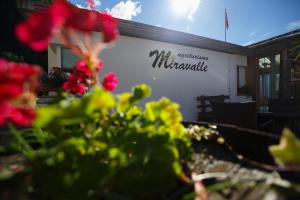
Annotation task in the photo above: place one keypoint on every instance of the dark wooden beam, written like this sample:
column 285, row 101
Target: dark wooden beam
column 252, row 77
column 285, row 79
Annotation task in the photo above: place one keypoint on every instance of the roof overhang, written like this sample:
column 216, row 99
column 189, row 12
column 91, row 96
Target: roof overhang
column 140, row 30
column 276, row 44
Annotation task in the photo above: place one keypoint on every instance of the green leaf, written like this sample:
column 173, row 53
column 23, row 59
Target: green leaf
column 133, row 111
column 124, row 102
column 288, row 150
column 100, row 100
column 141, row 91
column 6, row 173
column 46, row 114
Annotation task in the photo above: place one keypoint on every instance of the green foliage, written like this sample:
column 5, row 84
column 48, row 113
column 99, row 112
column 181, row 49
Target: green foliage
column 288, row 151
column 199, row 133
column 101, row 146
column 11, row 56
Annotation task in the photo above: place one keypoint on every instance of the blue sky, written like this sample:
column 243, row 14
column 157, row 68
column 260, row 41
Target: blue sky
column 250, row 21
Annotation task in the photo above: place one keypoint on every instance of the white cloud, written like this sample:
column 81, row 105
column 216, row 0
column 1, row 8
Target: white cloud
column 97, row 3
column 79, row 6
column 249, row 42
column 253, row 33
column 185, row 8
column 293, row 25
column 187, row 28
column 126, row 10
column 265, row 34
column 195, row 5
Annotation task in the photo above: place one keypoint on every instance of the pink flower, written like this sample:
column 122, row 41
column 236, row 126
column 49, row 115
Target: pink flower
column 110, row 81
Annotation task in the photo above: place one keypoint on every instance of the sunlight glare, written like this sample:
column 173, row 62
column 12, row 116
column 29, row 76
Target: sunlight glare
column 184, row 7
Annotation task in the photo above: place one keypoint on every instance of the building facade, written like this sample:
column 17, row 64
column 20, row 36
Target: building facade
column 177, row 65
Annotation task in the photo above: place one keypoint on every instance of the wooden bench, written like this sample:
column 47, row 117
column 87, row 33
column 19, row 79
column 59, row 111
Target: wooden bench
column 239, row 114
column 205, row 106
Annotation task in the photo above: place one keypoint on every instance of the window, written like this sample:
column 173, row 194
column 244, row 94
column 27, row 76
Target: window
column 260, row 86
column 68, row 59
column 269, row 77
column 277, row 60
column 242, row 88
column 265, row 63
column 277, row 81
column 267, row 84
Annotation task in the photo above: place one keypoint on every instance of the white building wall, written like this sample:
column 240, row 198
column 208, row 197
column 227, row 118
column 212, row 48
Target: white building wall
column 129, row 59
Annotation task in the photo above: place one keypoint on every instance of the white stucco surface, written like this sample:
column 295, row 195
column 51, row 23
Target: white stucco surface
column 129, row 59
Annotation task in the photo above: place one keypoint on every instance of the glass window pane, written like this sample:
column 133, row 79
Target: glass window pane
column 242, row 76
column 260, row 85
column 277, row 80
column 277, row 59
column 267, row 79
column 68, row 58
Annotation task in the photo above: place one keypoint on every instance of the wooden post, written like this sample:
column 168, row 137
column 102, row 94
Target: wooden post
column 252, row 76
column 285, row 75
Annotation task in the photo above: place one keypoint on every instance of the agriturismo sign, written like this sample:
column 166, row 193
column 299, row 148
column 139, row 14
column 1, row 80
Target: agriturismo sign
column 168, row 61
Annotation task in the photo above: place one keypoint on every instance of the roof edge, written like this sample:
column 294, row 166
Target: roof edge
column 275, row 38
column 146, row 31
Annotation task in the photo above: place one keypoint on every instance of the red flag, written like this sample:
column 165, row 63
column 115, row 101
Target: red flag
column 226, row 20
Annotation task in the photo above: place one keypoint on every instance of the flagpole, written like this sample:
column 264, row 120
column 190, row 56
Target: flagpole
column 225, row 25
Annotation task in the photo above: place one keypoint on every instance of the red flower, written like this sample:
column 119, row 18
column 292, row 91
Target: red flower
column 22, row 116
column 16, row 72
column 5, row 112
column 82, row 69
column 10, row 91
column 76, row 88
column 37, row 38
column 88, row 21
column 110, row 81
column 37, row 30
column 12, row 79
column 74, row 84
column 108, row 26
column 75, row 78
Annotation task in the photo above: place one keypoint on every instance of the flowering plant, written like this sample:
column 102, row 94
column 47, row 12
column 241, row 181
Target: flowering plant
column 93, row 144
column 17, row 85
